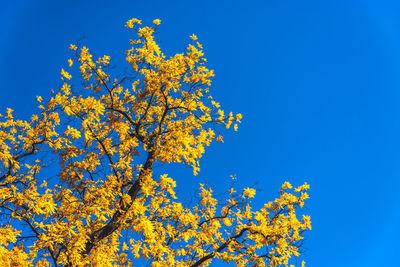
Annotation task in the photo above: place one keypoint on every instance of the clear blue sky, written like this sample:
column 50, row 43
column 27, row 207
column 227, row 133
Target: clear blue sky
column 317, row 82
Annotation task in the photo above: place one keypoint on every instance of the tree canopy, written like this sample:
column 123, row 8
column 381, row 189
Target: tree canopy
column 77, row 186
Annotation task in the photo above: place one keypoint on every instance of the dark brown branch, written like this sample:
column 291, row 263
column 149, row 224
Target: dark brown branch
column 103, row 147
column 114, row 222
column 103, row 82
column 35, row 231
column 220, row 248
column 31, row 152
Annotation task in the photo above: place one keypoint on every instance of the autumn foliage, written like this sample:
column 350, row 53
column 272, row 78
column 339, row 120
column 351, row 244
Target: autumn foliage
column 77, row 186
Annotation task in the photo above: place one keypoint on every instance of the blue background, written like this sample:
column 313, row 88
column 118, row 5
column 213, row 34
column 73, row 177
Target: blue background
column 317, row 82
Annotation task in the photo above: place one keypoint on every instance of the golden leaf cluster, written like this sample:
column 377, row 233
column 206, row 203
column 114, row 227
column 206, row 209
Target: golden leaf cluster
column 77, row 186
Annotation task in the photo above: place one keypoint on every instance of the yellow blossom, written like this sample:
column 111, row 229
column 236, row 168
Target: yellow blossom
column 193, row 37
column 130, row 23
column 249, row 192
column 66, row 74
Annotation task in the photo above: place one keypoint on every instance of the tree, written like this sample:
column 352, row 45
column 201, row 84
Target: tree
column 100, row 138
